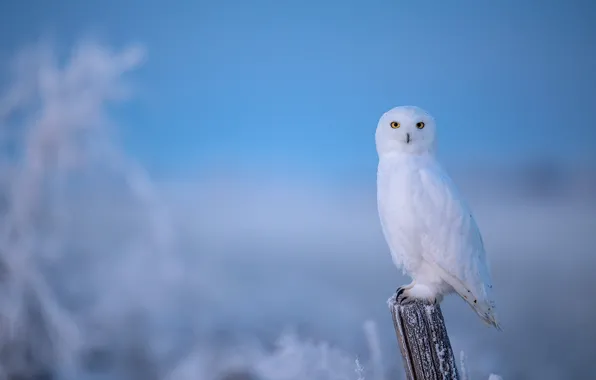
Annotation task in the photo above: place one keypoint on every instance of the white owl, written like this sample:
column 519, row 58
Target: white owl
column 428, row 226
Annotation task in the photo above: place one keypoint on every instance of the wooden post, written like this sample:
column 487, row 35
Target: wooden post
column 423, row 340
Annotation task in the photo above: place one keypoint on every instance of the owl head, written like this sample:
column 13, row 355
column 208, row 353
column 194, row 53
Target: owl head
column 405, row 130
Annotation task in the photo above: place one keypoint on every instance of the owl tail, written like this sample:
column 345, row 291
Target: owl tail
column 485, row 311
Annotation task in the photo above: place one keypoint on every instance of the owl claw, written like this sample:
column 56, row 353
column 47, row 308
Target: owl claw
column 405, row 300
column 410, row 293
column 400, row 297
column 399, row 291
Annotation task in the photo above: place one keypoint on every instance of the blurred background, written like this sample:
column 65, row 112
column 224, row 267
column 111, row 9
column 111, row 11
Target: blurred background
column 188, row 189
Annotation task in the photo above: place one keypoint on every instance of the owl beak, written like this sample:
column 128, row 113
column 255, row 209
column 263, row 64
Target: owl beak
column 408, row 138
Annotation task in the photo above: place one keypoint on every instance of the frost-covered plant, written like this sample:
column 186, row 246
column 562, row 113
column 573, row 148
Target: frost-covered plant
column 359, row 370
column 292, row 358
column 52, row 133
column 297, row 359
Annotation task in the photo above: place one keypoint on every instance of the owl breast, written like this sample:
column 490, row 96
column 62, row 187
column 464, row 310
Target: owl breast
column 397, row 185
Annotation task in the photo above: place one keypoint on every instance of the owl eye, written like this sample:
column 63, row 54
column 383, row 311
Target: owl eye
column 420, row 125
column 395, row 124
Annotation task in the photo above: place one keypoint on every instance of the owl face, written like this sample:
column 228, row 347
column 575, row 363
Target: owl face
column 406, row 129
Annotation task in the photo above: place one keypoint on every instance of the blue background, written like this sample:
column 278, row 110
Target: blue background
column 301, row 84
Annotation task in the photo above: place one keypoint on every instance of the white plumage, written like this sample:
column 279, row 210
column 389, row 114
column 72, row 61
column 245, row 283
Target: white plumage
column 428, row 226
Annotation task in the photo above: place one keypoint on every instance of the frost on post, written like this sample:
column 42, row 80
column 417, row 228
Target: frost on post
column 423, row 341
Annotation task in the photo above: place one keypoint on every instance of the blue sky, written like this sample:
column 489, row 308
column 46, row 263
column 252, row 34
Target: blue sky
column 270, row 85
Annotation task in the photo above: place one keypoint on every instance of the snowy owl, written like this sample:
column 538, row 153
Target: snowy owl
column 427, row 224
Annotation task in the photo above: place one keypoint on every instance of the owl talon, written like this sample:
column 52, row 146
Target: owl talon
column 400, row 290
column 400, row 297
column 414, row 292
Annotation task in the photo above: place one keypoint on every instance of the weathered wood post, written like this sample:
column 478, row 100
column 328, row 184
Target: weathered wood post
column 423, row 340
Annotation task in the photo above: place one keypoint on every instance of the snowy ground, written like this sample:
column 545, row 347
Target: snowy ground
column 108, row 274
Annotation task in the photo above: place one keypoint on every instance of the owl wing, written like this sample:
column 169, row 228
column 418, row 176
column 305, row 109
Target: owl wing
column 451, row 240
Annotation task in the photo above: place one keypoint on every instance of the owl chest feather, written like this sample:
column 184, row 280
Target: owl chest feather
column 399, row 187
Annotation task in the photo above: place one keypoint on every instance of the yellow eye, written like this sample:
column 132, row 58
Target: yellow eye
column 395, row 124
column 420, row 125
